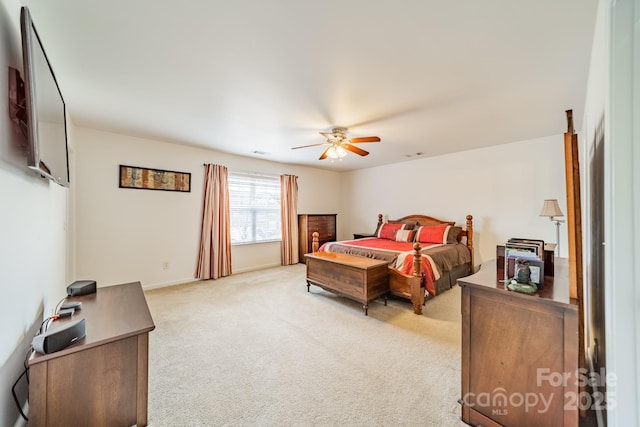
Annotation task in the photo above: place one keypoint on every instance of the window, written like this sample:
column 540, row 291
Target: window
column 254, row 202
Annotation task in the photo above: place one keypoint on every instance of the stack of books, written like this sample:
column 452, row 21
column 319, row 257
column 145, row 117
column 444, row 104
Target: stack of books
column 531, row 250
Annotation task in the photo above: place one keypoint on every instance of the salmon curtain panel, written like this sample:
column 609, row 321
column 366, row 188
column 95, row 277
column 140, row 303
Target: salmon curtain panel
column 289, row 218
column 214, row 256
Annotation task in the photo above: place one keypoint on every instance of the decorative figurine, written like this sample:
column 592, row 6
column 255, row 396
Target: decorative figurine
column 522, row 271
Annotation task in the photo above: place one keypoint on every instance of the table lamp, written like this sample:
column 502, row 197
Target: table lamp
column 552, row 210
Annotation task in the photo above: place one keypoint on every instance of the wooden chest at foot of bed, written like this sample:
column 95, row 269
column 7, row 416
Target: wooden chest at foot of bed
column 355, row 277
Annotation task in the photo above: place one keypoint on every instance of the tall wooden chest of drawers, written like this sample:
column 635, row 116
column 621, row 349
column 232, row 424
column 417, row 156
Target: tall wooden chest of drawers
column 325, row 225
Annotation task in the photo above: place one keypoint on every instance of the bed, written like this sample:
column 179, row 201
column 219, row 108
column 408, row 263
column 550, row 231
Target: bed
column 426, row 255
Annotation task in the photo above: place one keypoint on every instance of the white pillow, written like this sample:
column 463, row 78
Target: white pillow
column 404, row 236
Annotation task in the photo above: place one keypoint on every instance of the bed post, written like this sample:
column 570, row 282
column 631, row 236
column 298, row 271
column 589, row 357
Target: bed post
column 470, row 240
column 416, row 291
column 379, row 224
column 315, row 245
column 417, row 260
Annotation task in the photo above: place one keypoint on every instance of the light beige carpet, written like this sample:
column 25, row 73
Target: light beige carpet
column 258, row 349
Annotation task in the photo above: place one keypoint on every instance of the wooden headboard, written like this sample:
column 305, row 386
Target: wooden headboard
column 419, row 220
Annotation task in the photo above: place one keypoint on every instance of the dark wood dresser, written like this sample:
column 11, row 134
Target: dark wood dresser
column 324, row 224
column 101, row 380
column 519, row 351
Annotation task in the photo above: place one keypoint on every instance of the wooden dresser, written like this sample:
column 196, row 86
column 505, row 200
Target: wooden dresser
column 325, row 225
column 519, row 351
column 101, row 380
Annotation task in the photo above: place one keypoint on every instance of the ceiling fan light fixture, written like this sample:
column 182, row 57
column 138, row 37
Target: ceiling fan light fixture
column 336, row 152
column 339, row 145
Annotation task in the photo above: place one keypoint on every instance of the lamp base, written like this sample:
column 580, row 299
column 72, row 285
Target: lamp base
column 558, row 235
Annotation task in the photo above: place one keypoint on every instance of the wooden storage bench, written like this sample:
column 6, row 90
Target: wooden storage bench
column 358, row 278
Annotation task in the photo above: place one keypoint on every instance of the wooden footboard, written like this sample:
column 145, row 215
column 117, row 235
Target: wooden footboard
column 409, row 286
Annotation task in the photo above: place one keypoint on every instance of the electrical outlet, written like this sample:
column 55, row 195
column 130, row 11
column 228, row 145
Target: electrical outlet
column 165, row 265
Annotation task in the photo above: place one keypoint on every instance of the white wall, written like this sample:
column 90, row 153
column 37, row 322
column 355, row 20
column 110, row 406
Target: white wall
column 33, row 238
column 612, row 100
column 503, row 187
column 622, row 208
column 126, row 234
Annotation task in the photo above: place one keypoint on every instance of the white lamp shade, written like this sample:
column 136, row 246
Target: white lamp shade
column 551, row 208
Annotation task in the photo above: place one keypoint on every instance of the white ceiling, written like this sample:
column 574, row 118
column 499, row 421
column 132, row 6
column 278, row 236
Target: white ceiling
column 426, row 76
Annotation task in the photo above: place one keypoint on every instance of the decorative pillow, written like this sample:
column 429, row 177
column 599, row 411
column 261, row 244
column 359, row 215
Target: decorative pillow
column 405, row 235
column 454, row 232
column 388, row 231
column 433, row 233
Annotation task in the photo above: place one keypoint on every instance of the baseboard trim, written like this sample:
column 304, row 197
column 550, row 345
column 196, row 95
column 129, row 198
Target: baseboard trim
column 192, row 279
column 259, row 267
column 167, row 284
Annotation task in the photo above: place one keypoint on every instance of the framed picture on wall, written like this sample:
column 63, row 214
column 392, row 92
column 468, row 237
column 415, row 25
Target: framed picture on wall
column 154, row 179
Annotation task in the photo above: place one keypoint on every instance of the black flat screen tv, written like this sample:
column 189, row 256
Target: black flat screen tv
column 46, row 111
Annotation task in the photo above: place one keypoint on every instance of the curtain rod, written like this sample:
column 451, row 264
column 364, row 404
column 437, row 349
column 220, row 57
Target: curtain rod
column 256, row 173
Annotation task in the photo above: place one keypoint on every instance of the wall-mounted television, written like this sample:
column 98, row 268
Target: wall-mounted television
column 46, row 111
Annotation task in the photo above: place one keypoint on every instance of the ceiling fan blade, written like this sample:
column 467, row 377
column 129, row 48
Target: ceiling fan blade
column 305, row 146
column 355, row 149
column 366, row 139
column 324, row 154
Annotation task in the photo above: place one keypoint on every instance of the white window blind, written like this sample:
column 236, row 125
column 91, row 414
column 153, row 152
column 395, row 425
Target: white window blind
column 254, row 202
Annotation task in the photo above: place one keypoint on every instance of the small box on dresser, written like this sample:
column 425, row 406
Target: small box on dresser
column 324, row 224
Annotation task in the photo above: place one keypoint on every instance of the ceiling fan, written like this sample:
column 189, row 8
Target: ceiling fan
column 339, row 144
